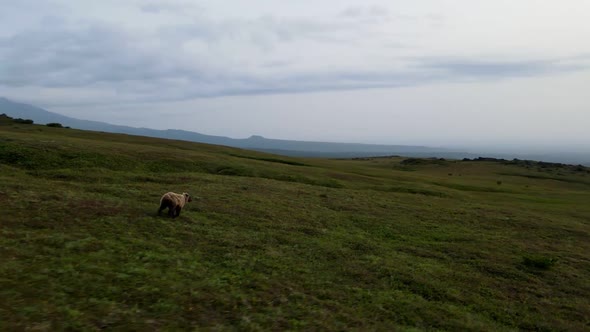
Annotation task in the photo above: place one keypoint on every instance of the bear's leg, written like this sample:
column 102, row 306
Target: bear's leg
column 171, row 210
column 162, row 207
column 178, row 208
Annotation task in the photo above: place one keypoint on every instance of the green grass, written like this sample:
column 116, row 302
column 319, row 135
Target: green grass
column 277, row 243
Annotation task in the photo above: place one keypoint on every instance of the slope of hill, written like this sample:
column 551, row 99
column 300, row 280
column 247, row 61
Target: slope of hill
column 254, row 142
column 282, row 147
column 42, row 116
column 277, row 243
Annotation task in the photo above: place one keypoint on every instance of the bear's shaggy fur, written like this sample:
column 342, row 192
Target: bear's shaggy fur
column 174, row 202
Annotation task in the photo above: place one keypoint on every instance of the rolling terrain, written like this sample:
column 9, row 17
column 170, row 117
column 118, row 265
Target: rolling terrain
column 294, row 148
column 279, row 243
column 254, row 142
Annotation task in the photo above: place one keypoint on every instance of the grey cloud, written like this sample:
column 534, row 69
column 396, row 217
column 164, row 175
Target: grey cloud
column 157, row 8
column 444, row 71
column 485, row 69
column 267, row 29
column 376, row 14
column 143, row 67
column 362, row 11
column 74, row 56
column 176, row 7
column 352, row 12
column 167, row 90
column 490, row 69
column 59, row 54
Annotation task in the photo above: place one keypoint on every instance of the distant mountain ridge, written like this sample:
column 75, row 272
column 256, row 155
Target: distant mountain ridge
column 286, row 147
column 277, row 146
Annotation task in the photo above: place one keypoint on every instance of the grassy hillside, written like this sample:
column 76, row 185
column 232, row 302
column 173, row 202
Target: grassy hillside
column 275, row 243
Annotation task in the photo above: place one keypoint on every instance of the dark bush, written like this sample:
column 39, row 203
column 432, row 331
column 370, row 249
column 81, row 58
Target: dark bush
column 539, row 262
column 55, row 125
column 23, row 121
column 423, row 161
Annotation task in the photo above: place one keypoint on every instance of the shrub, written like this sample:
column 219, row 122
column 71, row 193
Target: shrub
column 23, row 121
column 423, row 161
column 539, row 262
column 55, row 125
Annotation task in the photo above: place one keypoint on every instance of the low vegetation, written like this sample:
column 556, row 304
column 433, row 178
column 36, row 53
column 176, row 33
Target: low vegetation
column 277, row 243
column 4, row 119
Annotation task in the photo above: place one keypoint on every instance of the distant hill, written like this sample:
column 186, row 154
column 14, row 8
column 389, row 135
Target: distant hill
column 42, row 116
column 277, row 146
column 284, row 147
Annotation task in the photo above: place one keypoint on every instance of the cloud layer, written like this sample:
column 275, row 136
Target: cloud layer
column 175, row 50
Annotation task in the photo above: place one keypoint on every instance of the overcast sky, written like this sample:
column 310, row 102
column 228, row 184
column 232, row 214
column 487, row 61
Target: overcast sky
column 429, row 72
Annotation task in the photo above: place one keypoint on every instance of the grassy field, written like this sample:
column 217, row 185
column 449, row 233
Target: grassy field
column 278, row 243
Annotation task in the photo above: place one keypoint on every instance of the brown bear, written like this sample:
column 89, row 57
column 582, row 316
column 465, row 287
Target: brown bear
column 174, row 202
